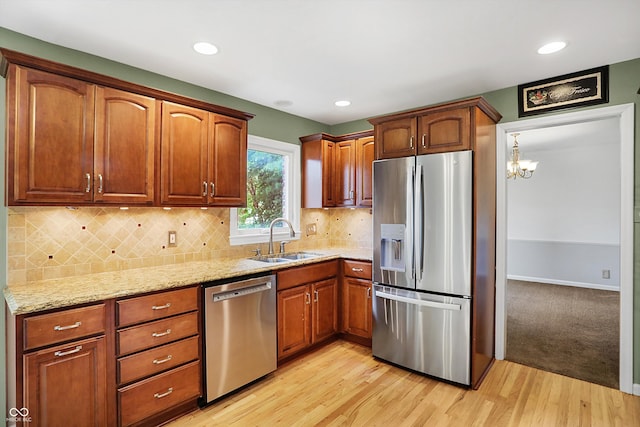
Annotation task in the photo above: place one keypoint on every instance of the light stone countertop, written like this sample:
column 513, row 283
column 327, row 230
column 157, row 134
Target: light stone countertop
column 43, row 295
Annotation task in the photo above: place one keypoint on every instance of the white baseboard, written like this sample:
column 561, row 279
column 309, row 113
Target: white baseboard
column 615, row 288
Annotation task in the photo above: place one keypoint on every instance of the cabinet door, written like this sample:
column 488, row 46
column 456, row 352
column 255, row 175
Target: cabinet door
column 67, row 385
column 294, row 317
column 125, row 147
column 365, row 155
column 325, row 313
column 184, row 153
column 357, row 307
column 345, row 173
column 50, row 138
column 328, row 174
column 396, row 138
column 444, row 131
column 228, row 162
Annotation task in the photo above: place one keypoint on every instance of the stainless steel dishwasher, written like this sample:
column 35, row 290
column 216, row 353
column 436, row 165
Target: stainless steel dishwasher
column 240, row 333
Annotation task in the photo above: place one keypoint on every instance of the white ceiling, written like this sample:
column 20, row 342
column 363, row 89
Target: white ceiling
column 382, row 55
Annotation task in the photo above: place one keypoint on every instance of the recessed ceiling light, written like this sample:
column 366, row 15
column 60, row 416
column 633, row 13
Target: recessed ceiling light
column 205, row 48
column 551, row 48
column 283, row 103
column 343, row 103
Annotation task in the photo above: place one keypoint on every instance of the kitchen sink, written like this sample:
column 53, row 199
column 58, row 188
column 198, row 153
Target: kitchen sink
column 298, row 255
column 285, row 257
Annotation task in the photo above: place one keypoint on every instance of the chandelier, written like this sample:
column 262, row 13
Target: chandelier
column 517, row 167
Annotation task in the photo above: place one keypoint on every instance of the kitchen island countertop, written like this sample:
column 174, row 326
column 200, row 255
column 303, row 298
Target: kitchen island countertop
column 49, row 294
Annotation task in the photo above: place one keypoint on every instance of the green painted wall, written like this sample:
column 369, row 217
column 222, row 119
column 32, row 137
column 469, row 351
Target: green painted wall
column 3, row 260
column 274, row 124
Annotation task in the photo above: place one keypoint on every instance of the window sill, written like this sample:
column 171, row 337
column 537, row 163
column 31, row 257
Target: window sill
column 247, row 239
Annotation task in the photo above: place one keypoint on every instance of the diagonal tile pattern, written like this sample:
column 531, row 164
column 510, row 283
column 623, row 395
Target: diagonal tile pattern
column 57, row 242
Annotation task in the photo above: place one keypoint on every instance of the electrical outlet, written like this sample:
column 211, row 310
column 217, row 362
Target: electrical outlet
column 173, row 238
column 311, row 229
column 606, row 274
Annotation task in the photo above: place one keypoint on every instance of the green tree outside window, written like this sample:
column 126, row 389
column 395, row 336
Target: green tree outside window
column 265, row 185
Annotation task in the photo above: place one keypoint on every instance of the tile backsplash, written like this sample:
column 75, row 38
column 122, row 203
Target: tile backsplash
column 56, row 242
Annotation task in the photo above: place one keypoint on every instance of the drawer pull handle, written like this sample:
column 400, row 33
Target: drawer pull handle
column 358, row 270
column 66, row 353
column 64, row 328
column 165, row 394
column 369, row 293
column 160, row 361
column 161, row 334
column 161, row 307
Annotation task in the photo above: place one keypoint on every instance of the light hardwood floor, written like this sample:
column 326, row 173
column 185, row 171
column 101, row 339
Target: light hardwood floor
column 342, row 385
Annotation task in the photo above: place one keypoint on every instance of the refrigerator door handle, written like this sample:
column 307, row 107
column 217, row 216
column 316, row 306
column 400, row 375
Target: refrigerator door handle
column 423, row 303
column 413, row 197
column 420, row 220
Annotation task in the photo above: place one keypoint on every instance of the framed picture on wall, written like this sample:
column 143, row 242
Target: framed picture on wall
column 588, row 87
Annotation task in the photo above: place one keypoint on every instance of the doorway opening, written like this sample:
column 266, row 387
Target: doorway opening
column 621, row 117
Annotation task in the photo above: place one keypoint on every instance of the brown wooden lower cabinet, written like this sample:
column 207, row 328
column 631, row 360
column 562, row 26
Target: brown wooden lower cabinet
column 307, row 306
column 357, row 307
column 356, row 301
column 67, row 385
column 147, row 398
column 158, row 356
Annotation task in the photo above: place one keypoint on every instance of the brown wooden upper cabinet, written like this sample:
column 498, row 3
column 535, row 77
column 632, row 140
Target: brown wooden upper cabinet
column 337, row 170
column 75, row 142
column 204, row 158
column 76, row 138
column 438, row 129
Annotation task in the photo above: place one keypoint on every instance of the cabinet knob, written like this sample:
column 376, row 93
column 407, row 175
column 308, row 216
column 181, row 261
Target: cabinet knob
column 213, row 189
column 307, row 298
column 160, row 307
column 87, row 189
column 100, row 186
column 423, row 138
column 357, row 270
column 204, row 189
column 369, row 292
column 411, row 141
column 315, row 296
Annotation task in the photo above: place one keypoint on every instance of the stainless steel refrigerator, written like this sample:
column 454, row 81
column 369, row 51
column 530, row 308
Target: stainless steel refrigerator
column 422, row 256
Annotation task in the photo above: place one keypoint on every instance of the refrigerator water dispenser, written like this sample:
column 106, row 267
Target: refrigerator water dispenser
column 392, row 247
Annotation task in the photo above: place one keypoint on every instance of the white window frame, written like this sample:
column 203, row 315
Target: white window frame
column 249, row 236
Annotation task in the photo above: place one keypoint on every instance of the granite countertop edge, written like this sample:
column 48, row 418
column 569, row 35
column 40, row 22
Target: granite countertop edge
column 36, row 296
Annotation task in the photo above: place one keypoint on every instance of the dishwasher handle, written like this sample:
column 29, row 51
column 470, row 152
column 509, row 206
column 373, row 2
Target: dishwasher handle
column 241, row 292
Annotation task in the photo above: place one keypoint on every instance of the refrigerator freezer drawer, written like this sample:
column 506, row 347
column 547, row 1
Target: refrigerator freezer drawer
column 424, row 332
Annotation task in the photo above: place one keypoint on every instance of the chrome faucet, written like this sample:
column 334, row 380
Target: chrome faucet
column 292, row 233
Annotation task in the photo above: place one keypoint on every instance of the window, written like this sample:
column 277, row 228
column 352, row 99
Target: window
column 273, row 190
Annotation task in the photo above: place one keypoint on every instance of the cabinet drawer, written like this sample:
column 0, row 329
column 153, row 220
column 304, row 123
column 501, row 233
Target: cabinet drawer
column 157, row 359
column 359, row 269
column 309, row 273
column 156, row 306
column 47, row 329
column 146, row 398
column 157, row 333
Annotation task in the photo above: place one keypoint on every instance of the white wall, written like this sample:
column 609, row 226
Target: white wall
column 564, row 222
